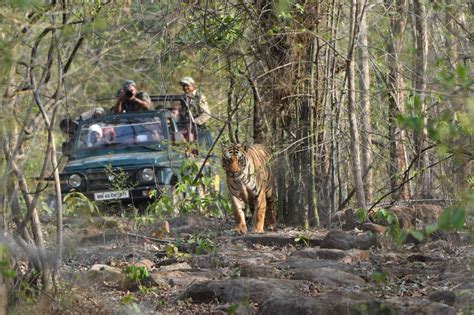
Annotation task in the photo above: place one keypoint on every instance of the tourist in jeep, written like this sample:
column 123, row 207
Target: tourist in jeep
column 183, row 126
column 130, row 99
column 195, row 102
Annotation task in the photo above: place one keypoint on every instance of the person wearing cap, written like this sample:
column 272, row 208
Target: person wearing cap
column 92, row 113
column 175, row 109
column 196, row 102
column 130, row 99
column 95, row 135
column 68, row 127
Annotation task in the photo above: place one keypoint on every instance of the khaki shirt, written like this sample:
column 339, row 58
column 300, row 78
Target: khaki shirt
column 130, row 106
column 199, row 107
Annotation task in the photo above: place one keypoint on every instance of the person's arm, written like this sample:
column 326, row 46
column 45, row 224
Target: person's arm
column 204, row 112
column 142, row 100
column 118, row 106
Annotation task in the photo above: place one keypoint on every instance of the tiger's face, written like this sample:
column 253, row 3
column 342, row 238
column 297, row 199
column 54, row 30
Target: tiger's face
column 234, row 160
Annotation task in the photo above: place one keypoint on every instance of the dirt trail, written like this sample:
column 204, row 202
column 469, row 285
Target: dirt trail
column 202, row 267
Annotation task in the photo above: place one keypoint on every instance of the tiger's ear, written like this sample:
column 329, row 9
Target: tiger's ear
column 245, row 146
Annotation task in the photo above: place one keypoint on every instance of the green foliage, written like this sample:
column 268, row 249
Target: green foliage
column 201, row 244
column 146, row 219
column 76, row 203
column 221, row 30
column 452, row 218
column 386, row 217
column 135, row 273
column 128, row 299
column 45, row 207
column 172, row 251
column 418, row 235
column 120, row 178
column 451, row 79
column 361, row 215
column 5, row 263
column 302, row 240
column 188, row 196
column 379, row 277
column 454, row 127
column 414, row 119
column 25, row 3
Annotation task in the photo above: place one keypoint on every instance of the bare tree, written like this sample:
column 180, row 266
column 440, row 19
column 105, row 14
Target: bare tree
column 397, row 10
column 364, row 83
column 351, row 108
column 420, row 67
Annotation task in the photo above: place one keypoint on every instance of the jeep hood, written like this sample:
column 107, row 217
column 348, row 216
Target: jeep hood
column 124, row 160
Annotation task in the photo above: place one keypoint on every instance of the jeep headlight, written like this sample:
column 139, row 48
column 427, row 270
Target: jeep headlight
column 74, row 180
column 147, row 175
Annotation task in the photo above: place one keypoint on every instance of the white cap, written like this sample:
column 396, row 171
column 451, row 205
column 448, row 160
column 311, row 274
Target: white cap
column 187, row 81
column 96, row 128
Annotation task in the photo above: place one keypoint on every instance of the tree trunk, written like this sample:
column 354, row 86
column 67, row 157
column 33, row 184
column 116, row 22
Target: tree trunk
column 366, row 138
column 351, row 111
column 313, row 194
column 423, row 189
column 397, row 10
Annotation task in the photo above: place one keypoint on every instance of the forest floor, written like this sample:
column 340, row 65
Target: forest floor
column 202, row 267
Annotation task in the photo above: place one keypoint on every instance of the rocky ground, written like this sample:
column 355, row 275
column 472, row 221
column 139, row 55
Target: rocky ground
column 201, row 267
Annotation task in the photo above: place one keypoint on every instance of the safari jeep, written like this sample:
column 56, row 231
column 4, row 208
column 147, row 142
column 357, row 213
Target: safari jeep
column 126, row 157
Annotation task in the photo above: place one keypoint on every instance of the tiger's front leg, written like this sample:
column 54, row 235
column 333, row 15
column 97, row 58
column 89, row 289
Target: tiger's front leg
column 238, row 207
column 259, row 214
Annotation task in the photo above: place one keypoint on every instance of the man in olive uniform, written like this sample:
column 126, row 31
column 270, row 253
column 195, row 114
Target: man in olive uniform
column 195, row 102
column 131, row 100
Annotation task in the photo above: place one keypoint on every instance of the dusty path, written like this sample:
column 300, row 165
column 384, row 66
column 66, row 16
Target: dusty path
column 201, row 267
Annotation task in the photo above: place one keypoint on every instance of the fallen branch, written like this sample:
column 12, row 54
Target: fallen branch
column 154, row 239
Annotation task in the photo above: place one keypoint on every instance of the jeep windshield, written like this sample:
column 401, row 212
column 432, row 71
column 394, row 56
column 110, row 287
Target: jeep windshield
column 119, row 134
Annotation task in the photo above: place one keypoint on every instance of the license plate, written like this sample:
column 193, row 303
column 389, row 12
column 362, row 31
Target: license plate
column 108, row 195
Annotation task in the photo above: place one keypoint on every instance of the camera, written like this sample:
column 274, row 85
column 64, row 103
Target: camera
column 128, row 93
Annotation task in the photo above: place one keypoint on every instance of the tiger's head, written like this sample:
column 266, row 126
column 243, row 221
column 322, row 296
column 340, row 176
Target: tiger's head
column 234, row 160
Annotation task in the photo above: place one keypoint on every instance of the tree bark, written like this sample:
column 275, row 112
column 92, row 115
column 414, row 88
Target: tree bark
column 351, row 110
column 397, row 11
column 423, row 189
column 313, row 193
column 364, row 83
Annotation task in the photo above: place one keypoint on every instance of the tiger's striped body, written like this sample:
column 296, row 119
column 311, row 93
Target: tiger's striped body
column 249, row 180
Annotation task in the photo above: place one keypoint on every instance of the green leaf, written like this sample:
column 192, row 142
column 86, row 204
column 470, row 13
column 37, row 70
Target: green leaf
column 462, row 73
column 379, row 277
column 128, row 299
column 361, row 215
column 283, row 6
column 417, row 235
column 380, row 215
column 391, row 219
column 429, row 229
column 25, row 3
column 458, row 218
column 444, row 219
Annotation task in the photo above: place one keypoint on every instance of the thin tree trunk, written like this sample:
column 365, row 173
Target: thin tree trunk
column 313, row 194
column 366, row 138
column 421, row 63
column 397, row 10
column 351, row 111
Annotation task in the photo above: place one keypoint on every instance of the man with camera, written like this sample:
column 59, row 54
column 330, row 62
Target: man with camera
column 131, row 100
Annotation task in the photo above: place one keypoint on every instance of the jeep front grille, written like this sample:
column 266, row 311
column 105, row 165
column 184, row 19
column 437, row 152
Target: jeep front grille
column 115, row 180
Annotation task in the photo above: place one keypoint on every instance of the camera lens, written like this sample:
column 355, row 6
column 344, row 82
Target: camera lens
column 128, row 93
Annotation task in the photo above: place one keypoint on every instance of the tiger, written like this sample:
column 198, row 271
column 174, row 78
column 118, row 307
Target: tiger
column 249, row 180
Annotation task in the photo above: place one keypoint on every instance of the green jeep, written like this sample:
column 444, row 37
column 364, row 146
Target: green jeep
column 128, row 157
